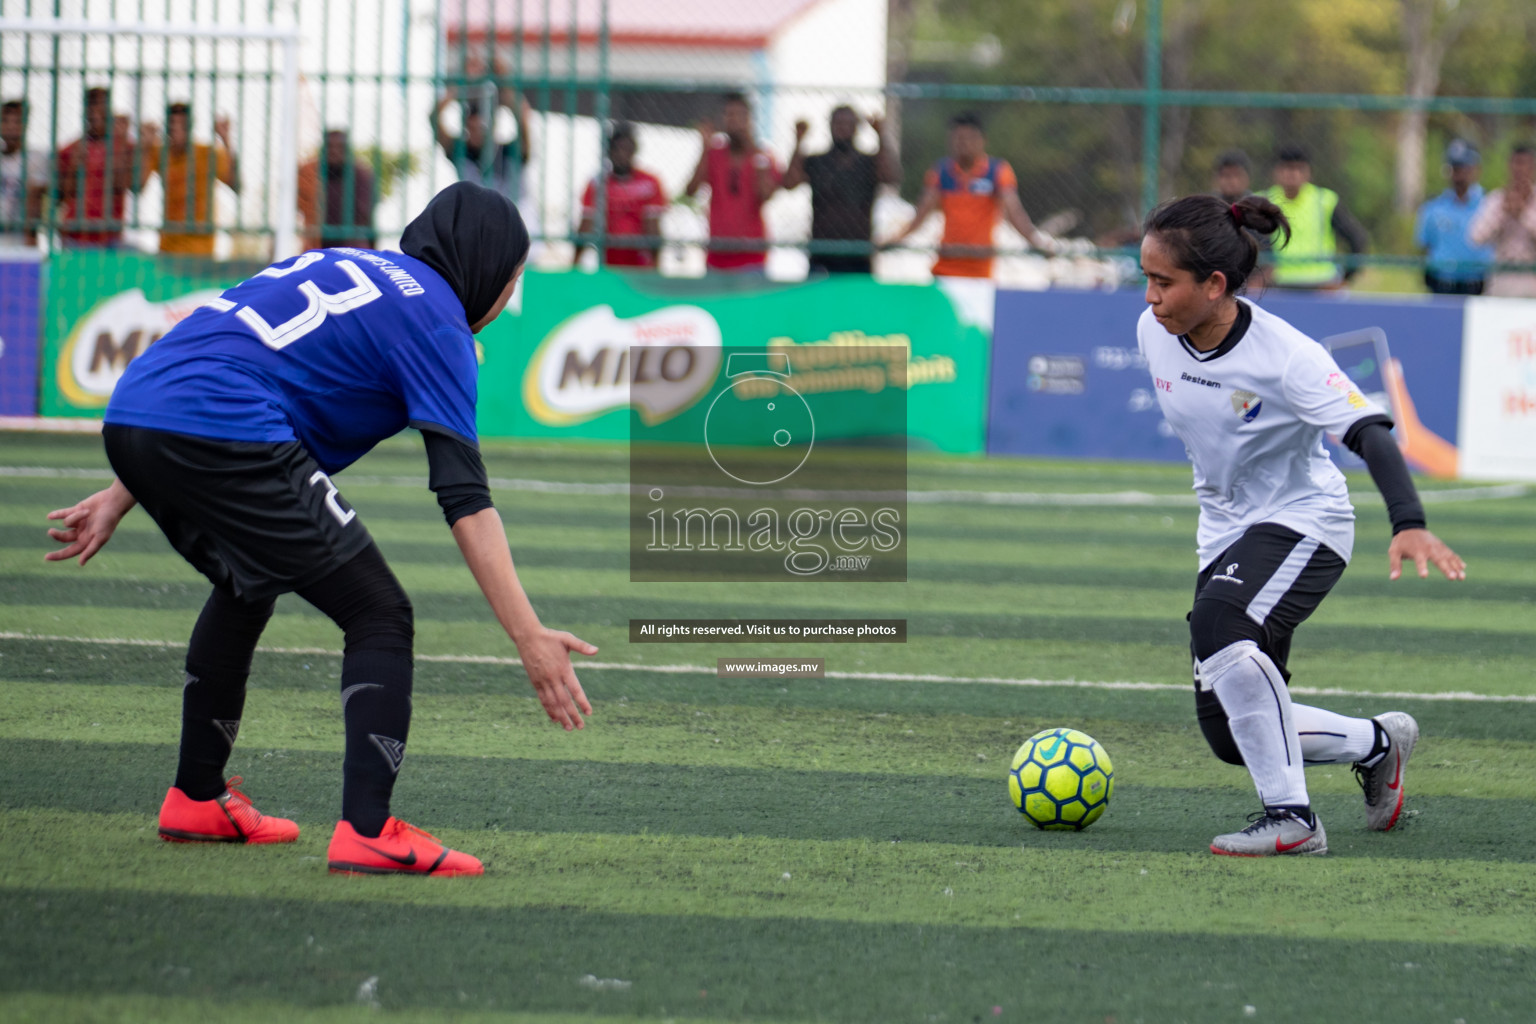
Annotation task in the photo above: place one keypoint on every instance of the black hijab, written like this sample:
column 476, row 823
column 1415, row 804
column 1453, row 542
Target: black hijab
column 475, row 238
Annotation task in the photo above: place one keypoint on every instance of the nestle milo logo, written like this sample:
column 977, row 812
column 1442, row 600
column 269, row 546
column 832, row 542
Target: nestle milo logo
column 113, row 334
column 590, row 364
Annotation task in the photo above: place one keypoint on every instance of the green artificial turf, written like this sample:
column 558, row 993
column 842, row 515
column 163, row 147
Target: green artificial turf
column 758, row 849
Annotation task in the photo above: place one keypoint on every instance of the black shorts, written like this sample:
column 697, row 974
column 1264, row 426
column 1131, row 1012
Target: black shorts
column 1261, row 588
column 257, row 518
column 1276, row 578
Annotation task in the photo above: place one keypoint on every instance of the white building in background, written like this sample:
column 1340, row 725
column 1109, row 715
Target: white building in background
column 794, row 59
column 369, row 66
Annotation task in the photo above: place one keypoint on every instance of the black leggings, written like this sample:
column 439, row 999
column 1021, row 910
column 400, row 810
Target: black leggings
column 365, row 599
column 1260, row 588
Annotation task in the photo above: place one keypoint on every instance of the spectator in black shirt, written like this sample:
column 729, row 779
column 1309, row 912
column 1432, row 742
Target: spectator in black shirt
column 1234, row 178
column 843, row 183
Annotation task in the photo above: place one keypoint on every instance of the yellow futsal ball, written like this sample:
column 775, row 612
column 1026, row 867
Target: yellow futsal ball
column 1061, row 778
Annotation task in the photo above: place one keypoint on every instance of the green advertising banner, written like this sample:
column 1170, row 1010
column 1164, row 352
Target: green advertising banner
column 562, row 367
column 105, row 307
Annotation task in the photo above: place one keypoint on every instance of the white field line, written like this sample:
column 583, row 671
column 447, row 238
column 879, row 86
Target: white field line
column 50, row 425
column 1103, row 499
column 897, row 677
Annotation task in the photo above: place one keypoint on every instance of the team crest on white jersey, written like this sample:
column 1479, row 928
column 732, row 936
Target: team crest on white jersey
column 1247, row 405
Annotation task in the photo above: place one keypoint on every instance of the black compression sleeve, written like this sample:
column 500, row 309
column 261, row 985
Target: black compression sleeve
column 1371, row 439
column 455, row 473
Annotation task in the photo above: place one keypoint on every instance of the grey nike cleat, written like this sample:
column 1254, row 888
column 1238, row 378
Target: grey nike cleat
column 1383, row 781
column 1272, row 833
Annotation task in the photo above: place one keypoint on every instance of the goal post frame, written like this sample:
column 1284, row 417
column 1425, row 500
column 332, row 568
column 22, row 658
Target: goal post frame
column 285, row 229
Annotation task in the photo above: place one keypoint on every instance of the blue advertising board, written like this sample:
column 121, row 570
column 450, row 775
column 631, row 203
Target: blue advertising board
column 20, row 327
column 1068, row 381
column 1423, row 335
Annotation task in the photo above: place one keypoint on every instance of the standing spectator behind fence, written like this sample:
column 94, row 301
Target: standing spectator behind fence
column 843, row 184
column 475, row 155
column 1319, row 223
column 973, row 190
column 1507, row 221
column 187, row 228
column 1233, row 177
column 23, row 179
column 741, row 176
column 635, row 202
column 95, row 175
column 1454, row 264
column 325, row 184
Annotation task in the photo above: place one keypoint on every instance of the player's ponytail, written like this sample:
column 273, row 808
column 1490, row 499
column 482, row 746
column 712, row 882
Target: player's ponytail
column 1204, row 234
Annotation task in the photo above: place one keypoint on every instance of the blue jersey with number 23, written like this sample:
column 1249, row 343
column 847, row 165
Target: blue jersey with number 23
column 337, row 349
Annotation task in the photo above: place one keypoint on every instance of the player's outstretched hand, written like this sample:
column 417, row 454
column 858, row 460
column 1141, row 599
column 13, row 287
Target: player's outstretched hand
column 547, row 660
column 1423, row 549
column 85, row 527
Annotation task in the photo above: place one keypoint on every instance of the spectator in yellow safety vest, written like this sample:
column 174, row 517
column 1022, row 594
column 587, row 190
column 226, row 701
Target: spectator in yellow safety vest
column 1319, row 223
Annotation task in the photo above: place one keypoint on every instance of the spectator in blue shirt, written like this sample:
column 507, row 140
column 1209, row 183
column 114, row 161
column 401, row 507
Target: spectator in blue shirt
column 1453, row 264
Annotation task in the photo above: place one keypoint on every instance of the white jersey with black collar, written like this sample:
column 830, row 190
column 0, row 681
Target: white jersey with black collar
column 1251, row 414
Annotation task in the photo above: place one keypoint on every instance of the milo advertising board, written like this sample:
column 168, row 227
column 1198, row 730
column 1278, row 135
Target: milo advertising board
column 561, row 366
column 105, row 308
column 564, row 366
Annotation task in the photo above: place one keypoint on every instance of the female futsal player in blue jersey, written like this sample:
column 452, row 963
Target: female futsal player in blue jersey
column 1250, row 396
column 226, row 431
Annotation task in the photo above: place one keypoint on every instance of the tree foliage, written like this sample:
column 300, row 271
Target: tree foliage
column 1088, row 157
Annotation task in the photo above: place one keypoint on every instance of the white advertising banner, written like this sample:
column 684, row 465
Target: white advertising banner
column 1497, row 434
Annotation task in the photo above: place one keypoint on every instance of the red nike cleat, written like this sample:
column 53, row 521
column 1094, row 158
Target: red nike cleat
column 229, row 818
column 401, row 849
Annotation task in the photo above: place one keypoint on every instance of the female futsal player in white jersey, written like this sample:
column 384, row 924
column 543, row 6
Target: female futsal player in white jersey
column 1251, row 396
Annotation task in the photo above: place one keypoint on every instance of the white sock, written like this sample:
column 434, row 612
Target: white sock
column 1252, row 693
column 1327, row 738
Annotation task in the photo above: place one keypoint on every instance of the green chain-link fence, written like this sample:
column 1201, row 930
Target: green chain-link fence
column 389, row 100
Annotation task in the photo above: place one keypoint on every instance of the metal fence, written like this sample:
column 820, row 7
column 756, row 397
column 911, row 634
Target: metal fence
column 320, row 123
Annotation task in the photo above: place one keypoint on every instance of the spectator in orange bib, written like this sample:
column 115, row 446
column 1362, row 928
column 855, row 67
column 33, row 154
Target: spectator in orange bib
column 189, row 171
column 636, row 200
column 973, row 191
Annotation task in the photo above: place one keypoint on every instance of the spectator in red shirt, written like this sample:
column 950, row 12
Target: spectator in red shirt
column 91, row 210
column 636, row 200
column 741, row 176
